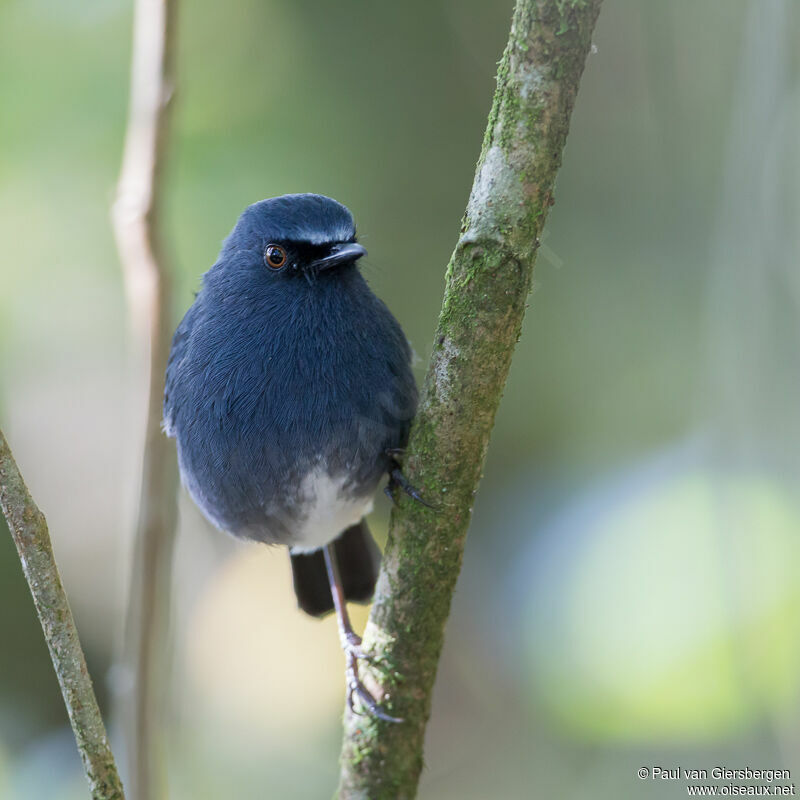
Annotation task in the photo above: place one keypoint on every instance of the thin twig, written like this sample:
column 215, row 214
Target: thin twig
column 487, row 284
column 136, row 217
column 29, row 529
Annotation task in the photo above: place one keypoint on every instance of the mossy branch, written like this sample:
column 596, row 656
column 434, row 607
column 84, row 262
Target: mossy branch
column 29, row 530
column 487, row 283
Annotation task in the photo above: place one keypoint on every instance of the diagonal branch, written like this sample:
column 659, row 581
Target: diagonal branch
column 487, row 284
column 29, row 529
column 136, row 218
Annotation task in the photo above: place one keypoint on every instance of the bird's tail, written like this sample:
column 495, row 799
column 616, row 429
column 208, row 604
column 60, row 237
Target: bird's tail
column 358, row 558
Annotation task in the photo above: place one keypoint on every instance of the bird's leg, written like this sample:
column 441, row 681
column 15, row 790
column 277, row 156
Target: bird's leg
column 351, row 641
column 351, row 644
column 397, row 479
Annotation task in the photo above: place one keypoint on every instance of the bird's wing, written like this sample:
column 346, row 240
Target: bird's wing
column 177, row 352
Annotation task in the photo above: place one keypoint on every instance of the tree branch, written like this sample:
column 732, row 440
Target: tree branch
column 29, row 529
column 487, row 284
column 136, row 217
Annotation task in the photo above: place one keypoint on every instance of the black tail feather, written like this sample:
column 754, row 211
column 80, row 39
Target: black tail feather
column 358, row 558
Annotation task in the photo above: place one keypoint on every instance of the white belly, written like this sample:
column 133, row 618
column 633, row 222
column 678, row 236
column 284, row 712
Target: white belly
column 329, row 510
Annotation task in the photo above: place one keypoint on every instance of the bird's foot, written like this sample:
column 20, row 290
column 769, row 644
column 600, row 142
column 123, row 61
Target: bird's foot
column 395, row 453
column 351, row 644
column 398, row 480
column 353, row 653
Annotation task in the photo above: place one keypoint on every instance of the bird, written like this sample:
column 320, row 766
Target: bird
column 290, row 393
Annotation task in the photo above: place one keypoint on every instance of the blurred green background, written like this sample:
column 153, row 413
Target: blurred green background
column 631, row 588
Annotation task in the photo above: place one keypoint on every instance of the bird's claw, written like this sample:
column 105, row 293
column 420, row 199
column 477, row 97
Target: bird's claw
column 351, row 644
column 355, row 688
column 396, row 478
column 395, row 453
column 369, row 705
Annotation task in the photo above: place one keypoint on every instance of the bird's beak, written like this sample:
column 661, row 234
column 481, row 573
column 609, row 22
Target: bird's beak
column 339, row 254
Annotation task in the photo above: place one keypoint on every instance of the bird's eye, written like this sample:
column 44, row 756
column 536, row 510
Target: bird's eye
column 275, row 256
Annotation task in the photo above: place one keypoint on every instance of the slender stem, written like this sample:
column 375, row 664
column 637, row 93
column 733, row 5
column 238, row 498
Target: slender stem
column 337, row 592
column 136, row 218
column 29, row 529
column 487, row 284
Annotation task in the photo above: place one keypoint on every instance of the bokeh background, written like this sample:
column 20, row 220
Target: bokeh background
column 631, row 588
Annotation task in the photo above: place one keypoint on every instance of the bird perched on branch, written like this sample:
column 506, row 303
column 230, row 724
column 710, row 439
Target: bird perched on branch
column 290, row 393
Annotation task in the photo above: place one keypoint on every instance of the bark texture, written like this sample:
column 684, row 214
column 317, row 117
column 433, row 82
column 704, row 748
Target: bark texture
column 487, row 283
column 29, row 529
column 147, row 282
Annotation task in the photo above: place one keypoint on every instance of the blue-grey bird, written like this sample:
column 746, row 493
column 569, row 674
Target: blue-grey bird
column 289, row 392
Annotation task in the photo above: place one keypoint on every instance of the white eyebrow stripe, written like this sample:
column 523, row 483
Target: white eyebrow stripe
column 343, row 235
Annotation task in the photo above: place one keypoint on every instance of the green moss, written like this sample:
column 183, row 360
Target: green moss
column 566, row 11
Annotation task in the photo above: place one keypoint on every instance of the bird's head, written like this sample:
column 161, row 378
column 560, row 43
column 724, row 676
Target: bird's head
column 297, row 235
